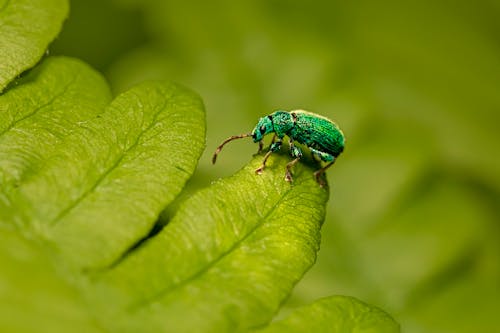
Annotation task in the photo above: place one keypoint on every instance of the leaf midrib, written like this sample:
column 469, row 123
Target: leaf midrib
column 103, row 176
column 136, row 306
column 41, row 107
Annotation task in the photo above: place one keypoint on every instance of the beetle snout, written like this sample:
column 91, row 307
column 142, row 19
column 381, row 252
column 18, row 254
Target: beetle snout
column 256, row 136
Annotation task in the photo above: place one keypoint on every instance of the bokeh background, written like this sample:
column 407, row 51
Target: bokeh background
column 413, row 222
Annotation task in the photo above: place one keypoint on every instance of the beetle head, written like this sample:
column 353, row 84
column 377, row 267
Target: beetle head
column 263, row 127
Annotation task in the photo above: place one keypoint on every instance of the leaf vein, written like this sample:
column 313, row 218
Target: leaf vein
column 38, row 109
column 211, row 264
column 109, row 170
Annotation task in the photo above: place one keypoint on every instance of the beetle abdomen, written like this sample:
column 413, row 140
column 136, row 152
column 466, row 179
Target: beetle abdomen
column 317, row 132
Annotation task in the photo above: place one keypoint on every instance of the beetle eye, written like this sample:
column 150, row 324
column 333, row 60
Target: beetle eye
column 262, row 129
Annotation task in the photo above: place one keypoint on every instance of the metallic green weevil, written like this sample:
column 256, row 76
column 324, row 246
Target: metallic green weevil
column 321, row 135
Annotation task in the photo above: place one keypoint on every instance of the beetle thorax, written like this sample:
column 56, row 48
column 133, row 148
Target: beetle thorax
column 283, row 122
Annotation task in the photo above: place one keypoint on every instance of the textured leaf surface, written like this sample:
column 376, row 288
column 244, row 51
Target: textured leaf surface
column 83, row 180
column 336, row 314
column 33, row 296
column 96, row 186
column 414, row 85
column 48, row 105
column 26, row 29
column 226, row 260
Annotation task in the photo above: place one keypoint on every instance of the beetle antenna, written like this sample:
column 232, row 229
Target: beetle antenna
column 231, row 138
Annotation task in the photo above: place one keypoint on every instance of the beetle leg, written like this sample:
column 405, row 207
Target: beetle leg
column 275, row 146
column 261, row 145
column 324, row 157
column 297, row 153
column 288, row 174
column 321, row 171
column 261, row 168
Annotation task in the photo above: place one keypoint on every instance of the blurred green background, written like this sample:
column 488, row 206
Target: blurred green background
column 413, row 223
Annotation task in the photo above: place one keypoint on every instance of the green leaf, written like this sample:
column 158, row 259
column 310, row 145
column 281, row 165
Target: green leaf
column 335, row 314
column 227, row 259
column 101, row 184
column 27, row 27
column 33, row 296
column 83, row 181
column 48, row 105
column 417, row 185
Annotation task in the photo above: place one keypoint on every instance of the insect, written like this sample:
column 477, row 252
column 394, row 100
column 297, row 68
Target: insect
column 321, row 135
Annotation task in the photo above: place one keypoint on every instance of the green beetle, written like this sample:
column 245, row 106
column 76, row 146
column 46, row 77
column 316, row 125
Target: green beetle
column 321, row 135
